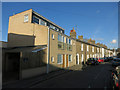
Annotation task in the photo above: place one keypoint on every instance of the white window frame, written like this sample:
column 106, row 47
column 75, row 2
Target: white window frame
column 71, row 42
column 52, row 59
column 53, row 36
column 26, row 20
column 97, row 49
column 68, row 41
column 81, row 46
column 71, row 58
column 57, row 29
column 87, row 56
column 43, row 21
column 82, row 57
column 92, row 48
column 90, row 55
column 60, row 38
column 87, row 47
column 64, row 39
column 61, row 60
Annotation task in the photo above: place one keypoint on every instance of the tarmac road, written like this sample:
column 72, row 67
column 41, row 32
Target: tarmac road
column 91, row 77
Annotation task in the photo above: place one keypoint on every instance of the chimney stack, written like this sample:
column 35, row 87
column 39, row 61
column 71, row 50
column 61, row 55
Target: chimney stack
column 73, row 33
column 90, row 40
column 93, row 41
column 80, row 37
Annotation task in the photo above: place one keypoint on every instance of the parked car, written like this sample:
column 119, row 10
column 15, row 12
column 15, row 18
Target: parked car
column 96, row 61
column 116, row 62
column 110, row 58
column 106, row 59
column 92, row 61
column 114, row 57
column 100, row 60
column 116, row 78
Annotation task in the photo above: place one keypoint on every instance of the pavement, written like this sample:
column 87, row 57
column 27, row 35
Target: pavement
column 38, row 79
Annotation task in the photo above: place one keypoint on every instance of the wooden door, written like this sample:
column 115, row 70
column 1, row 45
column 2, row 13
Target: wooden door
column 67, row 60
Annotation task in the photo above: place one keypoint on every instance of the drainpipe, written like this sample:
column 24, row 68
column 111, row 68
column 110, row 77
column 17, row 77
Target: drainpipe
column 48, row 50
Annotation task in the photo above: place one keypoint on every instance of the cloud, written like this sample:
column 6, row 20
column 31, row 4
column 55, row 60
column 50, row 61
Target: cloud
column 114, row 41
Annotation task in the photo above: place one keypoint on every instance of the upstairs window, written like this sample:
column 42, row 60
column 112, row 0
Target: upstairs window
column 81, row 47
column 66, row 40
column 63, row 39
column 57, row 29
column 87, row 48
column 51, row 26
column 92, row 49
column 42, row 22
column 60, row 38
column 35, row 20
column 61, row 31
column 26, row 18
column 52, row 36
column 69, row 41
column 97, row 49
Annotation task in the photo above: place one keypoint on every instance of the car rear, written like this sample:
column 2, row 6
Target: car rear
column 91, row 61
column 116, row 62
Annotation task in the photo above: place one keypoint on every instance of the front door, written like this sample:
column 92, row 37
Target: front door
column 63, row 60
column 67, row 63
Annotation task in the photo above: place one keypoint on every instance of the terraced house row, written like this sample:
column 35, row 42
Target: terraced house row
column 36, row 46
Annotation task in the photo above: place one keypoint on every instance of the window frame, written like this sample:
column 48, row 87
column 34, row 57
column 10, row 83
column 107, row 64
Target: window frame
column 60, row 60
column 81, row 46
column 25, row 18
column 69, row 58
column 53, row 37
column 87, row 48
column 40, row 21
column 52, row 59
column 36, row 18
column 92, row 48
column 87, row 56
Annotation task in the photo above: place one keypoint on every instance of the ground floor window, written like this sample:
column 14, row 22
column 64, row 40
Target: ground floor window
column 60, row 59
column 70, row 58
column 52, row 59
column 87, row 56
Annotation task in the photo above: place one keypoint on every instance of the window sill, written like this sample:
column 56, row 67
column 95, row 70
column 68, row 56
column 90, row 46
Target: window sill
column 59, row 63
column 25, row 22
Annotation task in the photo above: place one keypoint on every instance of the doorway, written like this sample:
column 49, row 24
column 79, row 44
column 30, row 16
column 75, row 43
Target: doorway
column 77, row 59
column 64, row 62
column 12, row 67
column 82, row 59
column 67, row 63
